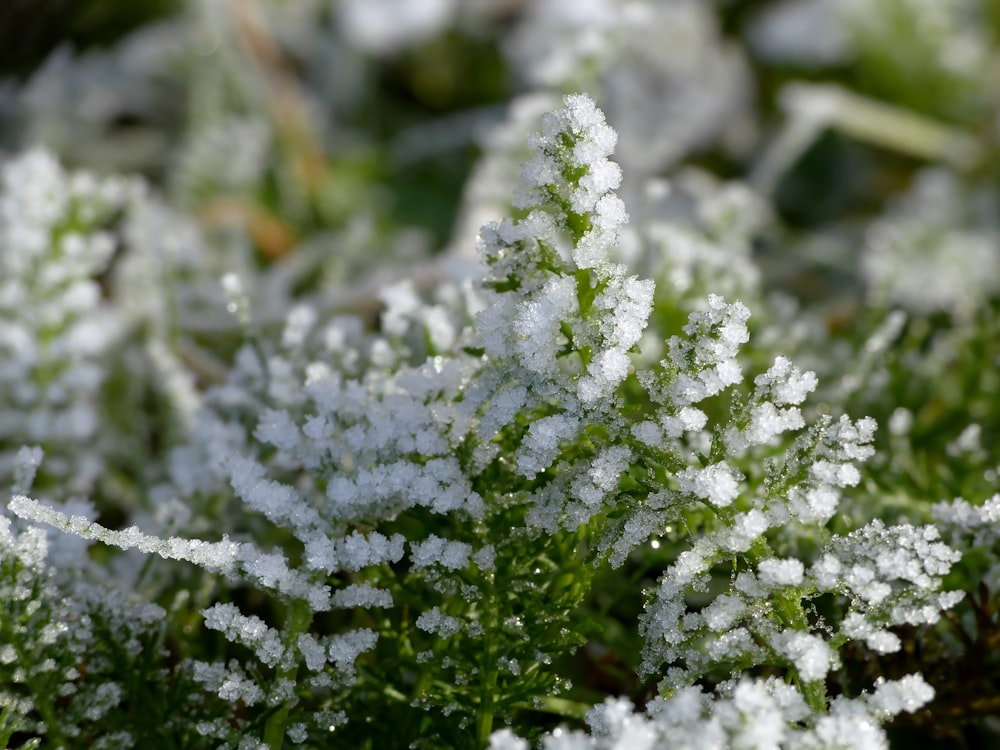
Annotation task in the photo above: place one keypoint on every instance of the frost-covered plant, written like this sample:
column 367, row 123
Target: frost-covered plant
column 56, row 331
column 422, row 512
column 81, row 663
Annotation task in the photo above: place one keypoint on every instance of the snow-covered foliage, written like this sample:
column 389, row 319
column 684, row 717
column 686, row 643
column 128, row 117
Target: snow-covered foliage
column 614, row 472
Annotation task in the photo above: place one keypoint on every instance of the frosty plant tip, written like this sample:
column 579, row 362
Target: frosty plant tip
column 424, row 514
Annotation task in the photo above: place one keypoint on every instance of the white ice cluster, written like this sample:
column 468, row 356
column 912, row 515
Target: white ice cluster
column 703, row 362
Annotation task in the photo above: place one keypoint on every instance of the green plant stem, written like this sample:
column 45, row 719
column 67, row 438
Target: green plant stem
column 300, row 617
column 557, row 706
column 488, row 669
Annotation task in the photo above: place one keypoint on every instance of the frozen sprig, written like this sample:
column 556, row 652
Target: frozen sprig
column 250, row 631
column 702, row 363
column 69, row 647
column 452, row 483
column 584, row 303
column 234, row 559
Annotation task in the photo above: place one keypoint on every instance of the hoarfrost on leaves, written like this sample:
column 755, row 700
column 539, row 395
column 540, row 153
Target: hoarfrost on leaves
column 456, row 477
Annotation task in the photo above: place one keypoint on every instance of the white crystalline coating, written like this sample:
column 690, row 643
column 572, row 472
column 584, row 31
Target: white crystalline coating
column 603, row 176
column 56, row 328
column 835, row 474
column 768, row 725
column 747, row 583
column 278, row 502
column 723, row 612
column 540, row 170
column 436, row 622
column 966, row 517
column 537, row 324
column 438, row 484
column 687, row 419
column 247, row 630
column 609, row 215
column 786, row 384
column 298, row 732
column 271, row 571
column 229, row 682
column 746, row 528
column 576, row 139
column 353, row 552
column 625, row 305
column 493, row 326
column 850, row 441
column 826, row 571
column 612, row 717
column 485, row 557
column 434, row 550
column 505, row 739
column 706, row 359
column 749, row 714
column 609, row 465
column 883, row 642
column 277, row 428
column 592, row 249
column 717, row 483
column 686, row 706
column 810, row 654
column 648, row 433
column 817, row 505
column 541, row 445
column 861, row 578
column 733, row 644
column 312, row 651
column 852, row 729
column 727, row 372
column 344, row 649
column 767, row 423
column 217, row 556
column 892, row 697
column 605, row 372
column 628, row 302
column 774, row 572
column 361, row 595
column 229, row 558
column 858, row 627
column 106, row 696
